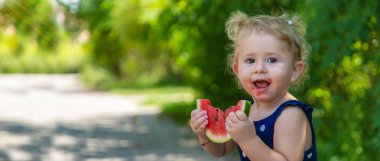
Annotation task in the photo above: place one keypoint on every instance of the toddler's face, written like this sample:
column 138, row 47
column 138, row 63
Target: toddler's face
column 265, row 66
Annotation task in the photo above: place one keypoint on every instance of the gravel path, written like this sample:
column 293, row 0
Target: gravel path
column 55, row 118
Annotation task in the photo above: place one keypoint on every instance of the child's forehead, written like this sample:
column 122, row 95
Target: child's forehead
column 277, row 31
column 261, row 42
column 246, row 33
column 259, row 37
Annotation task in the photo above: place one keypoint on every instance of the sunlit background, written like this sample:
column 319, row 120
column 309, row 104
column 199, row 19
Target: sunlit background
column 117, row 79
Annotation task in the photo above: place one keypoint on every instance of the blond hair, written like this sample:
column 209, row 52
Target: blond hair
column 288, row 29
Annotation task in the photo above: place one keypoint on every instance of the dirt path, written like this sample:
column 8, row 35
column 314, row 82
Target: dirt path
column 55, row 118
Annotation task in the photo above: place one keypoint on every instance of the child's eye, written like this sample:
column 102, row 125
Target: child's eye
column 272, row 60
column 250, row 61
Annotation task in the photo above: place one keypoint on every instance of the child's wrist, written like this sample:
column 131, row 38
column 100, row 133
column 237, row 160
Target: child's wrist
column 248, row 140
column 203, row 141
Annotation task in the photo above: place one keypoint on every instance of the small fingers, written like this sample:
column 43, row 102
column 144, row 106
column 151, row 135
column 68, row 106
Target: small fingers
column 199, row 122
column 228, row 126
column 203, row 125
column 232, row 116
column 229, row 123
column 196, row 114
column 241, row 116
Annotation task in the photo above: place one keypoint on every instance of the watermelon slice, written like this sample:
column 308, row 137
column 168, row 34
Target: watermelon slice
column 216, row 128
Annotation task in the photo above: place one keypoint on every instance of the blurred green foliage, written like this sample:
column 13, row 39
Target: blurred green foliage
column 344, row 85
column 183, row 42
column 31, row 40
column 21, row 15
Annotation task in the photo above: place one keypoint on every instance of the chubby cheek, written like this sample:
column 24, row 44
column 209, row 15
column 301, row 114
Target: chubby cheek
column 244, row 74
column 282, row 77
column 245, row 78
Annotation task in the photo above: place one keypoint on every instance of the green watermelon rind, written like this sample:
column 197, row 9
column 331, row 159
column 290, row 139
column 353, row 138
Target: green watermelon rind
column 218, row 138
column 246, row 105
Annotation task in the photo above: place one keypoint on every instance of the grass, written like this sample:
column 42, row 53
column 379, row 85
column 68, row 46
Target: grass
column 179, row 111
column 154, row 90
column 160, row 95
column 175, row 102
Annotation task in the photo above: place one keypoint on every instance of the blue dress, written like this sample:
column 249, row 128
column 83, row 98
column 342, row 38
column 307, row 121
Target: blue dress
column 265, row 129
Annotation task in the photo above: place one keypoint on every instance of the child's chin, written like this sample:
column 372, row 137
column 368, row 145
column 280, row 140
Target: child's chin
column 262, row 97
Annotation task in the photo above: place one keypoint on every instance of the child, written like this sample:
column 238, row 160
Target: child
column 269, row 56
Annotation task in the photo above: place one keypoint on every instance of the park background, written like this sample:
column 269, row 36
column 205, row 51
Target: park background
column 180, row 47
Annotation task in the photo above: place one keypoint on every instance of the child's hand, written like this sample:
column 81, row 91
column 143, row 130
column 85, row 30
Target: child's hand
column 198, row 123
column 240, row 127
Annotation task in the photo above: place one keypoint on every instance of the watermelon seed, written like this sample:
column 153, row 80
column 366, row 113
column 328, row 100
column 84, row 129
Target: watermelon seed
column 217, row 116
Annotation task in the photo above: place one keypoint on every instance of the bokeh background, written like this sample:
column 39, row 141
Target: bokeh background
column 180, row 47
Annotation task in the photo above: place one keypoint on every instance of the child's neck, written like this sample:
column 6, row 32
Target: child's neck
column 261, row 109
column 274, row 103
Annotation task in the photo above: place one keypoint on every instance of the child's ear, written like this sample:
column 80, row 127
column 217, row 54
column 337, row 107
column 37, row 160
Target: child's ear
column 297, row 70
column 236, row 69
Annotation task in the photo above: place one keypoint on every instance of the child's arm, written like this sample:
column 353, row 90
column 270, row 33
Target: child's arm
column 218, row 150
column 198, row 124
column 289, row 138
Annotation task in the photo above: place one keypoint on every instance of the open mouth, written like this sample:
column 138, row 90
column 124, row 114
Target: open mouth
column 261, row 84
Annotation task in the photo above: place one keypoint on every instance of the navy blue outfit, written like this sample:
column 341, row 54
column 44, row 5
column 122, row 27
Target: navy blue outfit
column 265, row 129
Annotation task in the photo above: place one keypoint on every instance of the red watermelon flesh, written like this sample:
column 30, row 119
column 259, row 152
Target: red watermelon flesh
column 216, row 127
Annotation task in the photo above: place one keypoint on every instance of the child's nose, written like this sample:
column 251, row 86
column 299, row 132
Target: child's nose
column 260, row 67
